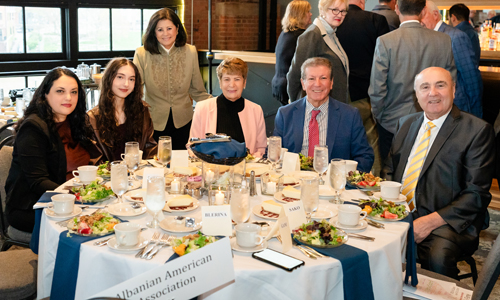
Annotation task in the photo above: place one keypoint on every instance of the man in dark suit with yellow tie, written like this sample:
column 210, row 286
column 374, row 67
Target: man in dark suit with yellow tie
column 444, row 159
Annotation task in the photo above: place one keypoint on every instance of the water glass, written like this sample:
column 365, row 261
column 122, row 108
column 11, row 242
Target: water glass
column 337, row 178
column 320, row 162
column 164, row 150
column 155, row 198
column 132, row 157
column 309, row 195
column 274, row 150
column 119, row 180
column 240, row 203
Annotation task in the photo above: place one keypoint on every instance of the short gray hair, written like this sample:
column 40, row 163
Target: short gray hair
column 315, row 62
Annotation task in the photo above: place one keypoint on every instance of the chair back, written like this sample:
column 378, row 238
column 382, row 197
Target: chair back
column 5, row 162
column 489, row 273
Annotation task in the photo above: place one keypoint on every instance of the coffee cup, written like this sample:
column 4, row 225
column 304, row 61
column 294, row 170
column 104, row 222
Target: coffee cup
column 390, row 190
column 127, row 234
column 350, row 215
column 63, row 204
column 86, row 174
column 350, row 165
column 247, row 235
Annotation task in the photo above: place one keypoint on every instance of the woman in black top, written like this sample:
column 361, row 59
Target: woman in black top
column 297, row 18
column 52, row 140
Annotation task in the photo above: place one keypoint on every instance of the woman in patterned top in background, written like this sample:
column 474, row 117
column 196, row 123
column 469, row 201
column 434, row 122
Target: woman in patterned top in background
column 170, row 72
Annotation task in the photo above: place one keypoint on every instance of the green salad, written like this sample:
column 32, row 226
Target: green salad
column 318, row 234
column 384, row 209
column 104, row 170
column 98, row 224
column 93, row 192
column 306, row 162
column 191, row 242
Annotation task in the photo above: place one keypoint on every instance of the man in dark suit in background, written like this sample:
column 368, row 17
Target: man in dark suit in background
column 358, row 35
column 386, row 9
column 318, row 119
column 445, row 160
column 459, row 14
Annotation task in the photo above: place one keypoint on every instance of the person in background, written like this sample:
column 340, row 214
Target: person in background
column 492, row 13
column 386, row 8
column 320, row 40
column 458, row 19
column 469, row 85
column 121, row 116
column 366, row 27
column 230, row 113
column 53, row 139
column 297, row 18
column 472, row 15
column 170, row 72
column 318, row 119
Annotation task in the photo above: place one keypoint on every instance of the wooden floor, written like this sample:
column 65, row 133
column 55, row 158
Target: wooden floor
column 495, row 195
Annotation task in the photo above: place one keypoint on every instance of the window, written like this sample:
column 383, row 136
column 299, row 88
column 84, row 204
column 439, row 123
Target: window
column 43, row 30
column 93, row 29
column 146, row 15
column 13, row 39
column 126, row 29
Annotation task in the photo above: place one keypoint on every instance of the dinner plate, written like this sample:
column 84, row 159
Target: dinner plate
column 113, row 245
column 125, row 210
column 196, row 203
column 362, row 188
column 138, row 193
column 140, row 172
column 340, row 232
column 278, row 196
column 76, row 181
column 301, row 174
column 236, row 247
column 170, row 224
column 326, row 192
column 323, row 213
column 361, row 226
column 401, row 199
column 135, row 184
column 52, row 215
column 388, row 220
column 256, row 211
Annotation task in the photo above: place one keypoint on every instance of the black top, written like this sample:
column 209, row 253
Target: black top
column 228, row 120
column 358, row 35
column 285, row 49
column 120, row 140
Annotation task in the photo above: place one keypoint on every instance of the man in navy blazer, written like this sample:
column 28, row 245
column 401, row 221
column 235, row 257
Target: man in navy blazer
column 340, row 126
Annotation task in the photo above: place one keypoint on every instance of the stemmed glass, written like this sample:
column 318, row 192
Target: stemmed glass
column 119, row 180
column 337, row 178
column 239, row 203
column 274, row 151
column 164, row 150
column 155, row 198
column 309, row 195
column 132, row 157
column 320, row 162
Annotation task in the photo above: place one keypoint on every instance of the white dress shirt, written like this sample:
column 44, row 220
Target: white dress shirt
column 322, row 119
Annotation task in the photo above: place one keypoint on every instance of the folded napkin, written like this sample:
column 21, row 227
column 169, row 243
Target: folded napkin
column 355, row 268
column 35, row 236
column 220, row 150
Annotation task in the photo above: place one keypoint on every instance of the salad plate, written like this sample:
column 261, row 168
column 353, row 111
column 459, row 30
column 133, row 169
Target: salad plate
column 92, row 193
column 104, row 171
column 361, row 226
column 310, row 233
column 52, row 215
column 192, row 242
column 256, row 210
column 170, row 224
column 125, row 210
column 379, row 218
column 76, row 181
column 401, row 199
column 323, row 213
column 381, row 210
column 236, row 247
column 363, row 181
column 114, row 245
column 97, row 224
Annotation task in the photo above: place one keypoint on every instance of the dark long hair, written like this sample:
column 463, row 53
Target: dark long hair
column 81, row 131
column 133, row 107
column 149, row 39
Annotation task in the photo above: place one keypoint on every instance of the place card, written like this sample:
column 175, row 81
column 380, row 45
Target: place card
column 295, row 213
column 284, row 229
column 183, row 278
column 150, row 171
column 291, row 163
column 180, row 158
column 216, row 220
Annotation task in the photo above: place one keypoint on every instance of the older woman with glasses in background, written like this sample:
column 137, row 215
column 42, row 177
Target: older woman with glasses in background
column 319, row 40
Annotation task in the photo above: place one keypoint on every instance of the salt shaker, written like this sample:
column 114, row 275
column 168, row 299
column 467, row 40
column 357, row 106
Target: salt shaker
column 253, row 190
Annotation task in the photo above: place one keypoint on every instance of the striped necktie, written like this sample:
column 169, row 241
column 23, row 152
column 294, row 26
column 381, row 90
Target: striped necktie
column 416, row 163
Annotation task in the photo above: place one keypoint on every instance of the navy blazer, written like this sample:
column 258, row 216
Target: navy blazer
column 345, row 138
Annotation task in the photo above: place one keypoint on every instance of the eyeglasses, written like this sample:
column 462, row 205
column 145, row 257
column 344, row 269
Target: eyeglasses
column 336, row 11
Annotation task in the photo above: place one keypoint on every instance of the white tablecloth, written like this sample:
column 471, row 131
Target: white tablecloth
column 101, row 268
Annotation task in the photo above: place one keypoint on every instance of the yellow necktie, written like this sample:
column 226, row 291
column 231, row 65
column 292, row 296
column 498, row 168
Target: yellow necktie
column 415, row 167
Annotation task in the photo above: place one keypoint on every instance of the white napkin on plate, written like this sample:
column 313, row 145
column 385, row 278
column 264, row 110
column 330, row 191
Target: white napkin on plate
column 291, row 163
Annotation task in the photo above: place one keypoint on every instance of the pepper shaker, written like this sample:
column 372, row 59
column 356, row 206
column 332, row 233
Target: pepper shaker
column 253, row 190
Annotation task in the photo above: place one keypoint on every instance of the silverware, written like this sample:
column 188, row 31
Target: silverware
column 306, row 253
column 103, row 242
column 314, row 251
column 375, row 224
column 64, row 223
column 152, row 241
column 136, row 205
column 361, row 237
column 164, row 241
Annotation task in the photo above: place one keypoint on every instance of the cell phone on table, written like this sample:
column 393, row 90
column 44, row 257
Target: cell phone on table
column 278, row 259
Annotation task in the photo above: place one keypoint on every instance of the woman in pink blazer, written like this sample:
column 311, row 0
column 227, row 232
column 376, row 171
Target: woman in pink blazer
column 230, row 113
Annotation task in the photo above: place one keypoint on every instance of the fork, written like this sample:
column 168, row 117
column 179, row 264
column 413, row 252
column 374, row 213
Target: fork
column 63, row 223
column 153, row 241
column 163, row 242
column 306, row 253
column 312, row 250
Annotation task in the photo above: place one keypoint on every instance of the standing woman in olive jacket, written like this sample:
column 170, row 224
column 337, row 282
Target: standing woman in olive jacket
column 52, row 140
column 170, row 72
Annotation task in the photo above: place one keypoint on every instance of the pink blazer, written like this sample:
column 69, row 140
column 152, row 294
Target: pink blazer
column 251, row 118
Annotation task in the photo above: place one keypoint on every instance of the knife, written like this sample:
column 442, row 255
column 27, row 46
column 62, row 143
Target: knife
column 375, row 224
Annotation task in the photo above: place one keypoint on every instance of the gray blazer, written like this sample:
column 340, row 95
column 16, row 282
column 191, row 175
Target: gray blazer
column 399, row 56
column 314, row 42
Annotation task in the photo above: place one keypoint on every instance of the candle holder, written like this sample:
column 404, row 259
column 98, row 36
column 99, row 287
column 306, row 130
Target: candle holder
column 270, row 183
column 218, row 194
column 222, row 174
column 178, row 185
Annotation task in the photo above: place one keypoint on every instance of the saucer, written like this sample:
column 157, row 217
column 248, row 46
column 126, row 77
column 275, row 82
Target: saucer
column 125, row 210
column 113, row 245
column 361, row 225
column 169, row 224
column 401, row 199
column 326, row 192
column 236, row 247
column 52, row 215
column 323, row 213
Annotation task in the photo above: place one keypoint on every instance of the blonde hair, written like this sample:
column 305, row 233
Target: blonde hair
column 232, row 66
column 323, row 5
column 295, row 14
